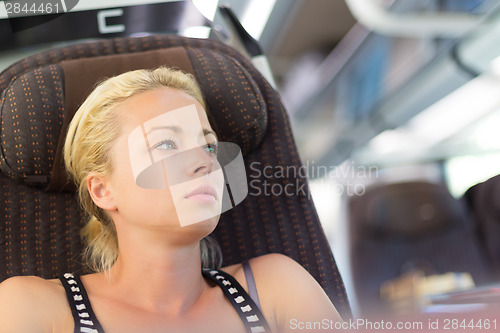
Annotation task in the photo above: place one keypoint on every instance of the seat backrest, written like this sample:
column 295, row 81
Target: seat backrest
column 484, row 202
column 40, row 217
column 400, row 227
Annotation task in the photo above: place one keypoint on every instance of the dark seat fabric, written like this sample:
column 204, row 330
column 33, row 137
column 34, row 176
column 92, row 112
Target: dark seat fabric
column 483, row 200
column 40, row 217
column 400, row 227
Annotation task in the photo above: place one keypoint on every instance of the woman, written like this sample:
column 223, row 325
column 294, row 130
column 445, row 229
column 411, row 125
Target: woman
column 146, row 237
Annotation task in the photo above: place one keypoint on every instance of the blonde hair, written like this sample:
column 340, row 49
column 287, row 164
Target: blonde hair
column 89, row 140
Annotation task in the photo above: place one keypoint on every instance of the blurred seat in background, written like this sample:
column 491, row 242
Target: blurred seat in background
column 403, row 227
column 483, row 200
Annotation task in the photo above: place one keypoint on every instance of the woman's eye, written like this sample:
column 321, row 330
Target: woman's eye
column 211, row 148
column 165, row 145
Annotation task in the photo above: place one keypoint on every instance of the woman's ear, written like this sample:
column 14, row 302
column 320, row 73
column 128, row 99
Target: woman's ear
column 100, row 192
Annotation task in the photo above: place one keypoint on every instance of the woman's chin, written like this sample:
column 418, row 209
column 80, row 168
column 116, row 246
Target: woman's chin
column 205, row 215
column 199, row 222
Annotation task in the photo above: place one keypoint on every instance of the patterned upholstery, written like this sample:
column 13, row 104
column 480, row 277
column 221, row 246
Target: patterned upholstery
column 400, row 227
column 39, row 229
column 484, row 202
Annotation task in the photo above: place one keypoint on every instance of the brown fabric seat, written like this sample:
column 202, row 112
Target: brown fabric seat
column 484, row 202
column 39, row 214
column 400, row 227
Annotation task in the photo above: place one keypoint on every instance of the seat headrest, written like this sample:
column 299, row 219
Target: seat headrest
column 408, row 210
column 484, row 199
column 38, row 104
column 494, row 198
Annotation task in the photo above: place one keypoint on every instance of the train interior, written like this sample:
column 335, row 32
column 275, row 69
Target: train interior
column 394, row 107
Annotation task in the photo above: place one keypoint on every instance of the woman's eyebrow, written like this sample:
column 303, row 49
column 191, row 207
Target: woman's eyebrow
column 175, row 129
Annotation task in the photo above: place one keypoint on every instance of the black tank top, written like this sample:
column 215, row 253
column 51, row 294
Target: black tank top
column 246, row 307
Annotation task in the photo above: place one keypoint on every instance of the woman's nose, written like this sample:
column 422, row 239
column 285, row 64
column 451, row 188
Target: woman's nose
column 201, row 162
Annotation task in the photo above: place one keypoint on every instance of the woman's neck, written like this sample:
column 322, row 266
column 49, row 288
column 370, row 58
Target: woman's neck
column 157, row 275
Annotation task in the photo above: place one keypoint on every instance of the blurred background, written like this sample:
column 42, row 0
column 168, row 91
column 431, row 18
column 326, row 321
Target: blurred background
column 395, row 107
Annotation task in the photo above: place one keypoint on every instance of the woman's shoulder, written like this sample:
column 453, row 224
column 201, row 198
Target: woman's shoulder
column 21, row 282
column 282, row 274
column 30, row 288
column 275, row 263
column 270, row 267
column 284, row 286
column 29, row 302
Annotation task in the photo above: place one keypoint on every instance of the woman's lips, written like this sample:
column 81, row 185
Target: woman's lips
column 204, row 193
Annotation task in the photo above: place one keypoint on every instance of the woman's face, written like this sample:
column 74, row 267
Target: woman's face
column 165, row 169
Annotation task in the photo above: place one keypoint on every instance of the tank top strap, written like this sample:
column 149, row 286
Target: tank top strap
column 252, row 288
column 246, row 308
column 87, row 322
column 83, row 315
